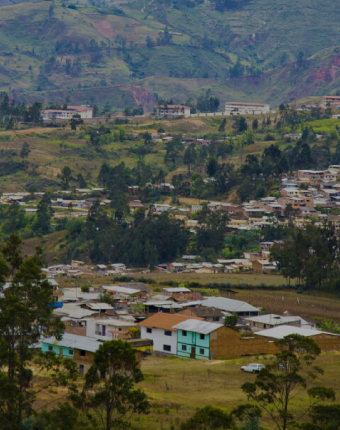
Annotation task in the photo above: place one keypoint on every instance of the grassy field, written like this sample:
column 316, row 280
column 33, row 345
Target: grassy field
column 306, row 305
column 204, row 278
column 178, row 386
column 52, row 149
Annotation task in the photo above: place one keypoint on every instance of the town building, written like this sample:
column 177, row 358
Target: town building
column 173, row 111
column 108, row 329
column 330, row 102
column 193, row 338
column 79, row 348
column 326, row 341
column 208, row 314
column 230, row 305
column 160, row 329
column 263, row 322
column 84, row 112
column 263, row 265
column 238, row 108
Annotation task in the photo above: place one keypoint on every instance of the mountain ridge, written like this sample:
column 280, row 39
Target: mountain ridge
column 108, row 52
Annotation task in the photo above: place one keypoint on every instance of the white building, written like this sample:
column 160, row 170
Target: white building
column 160, row 329
column 85, row 112
column 173, row 110
column 238, row 108
column 107, row 329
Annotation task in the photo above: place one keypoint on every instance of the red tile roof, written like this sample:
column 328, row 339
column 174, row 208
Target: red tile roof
column 165, row 321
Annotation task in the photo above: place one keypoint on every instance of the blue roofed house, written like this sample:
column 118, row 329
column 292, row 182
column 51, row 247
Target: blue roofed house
column 193, row 338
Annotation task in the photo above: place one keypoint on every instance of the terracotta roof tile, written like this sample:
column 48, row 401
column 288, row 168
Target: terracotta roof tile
column 165, row 321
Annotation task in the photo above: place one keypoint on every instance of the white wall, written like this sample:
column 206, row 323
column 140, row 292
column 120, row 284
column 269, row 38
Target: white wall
column 159, row 339
column 91, row 329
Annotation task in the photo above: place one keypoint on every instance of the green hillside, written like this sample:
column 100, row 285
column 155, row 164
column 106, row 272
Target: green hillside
column 270, row 51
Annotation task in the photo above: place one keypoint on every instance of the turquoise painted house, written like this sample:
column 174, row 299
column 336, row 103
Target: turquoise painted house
column 70, row 345
column 193, row 339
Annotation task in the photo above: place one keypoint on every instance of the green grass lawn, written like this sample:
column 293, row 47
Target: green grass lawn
column 176, row 387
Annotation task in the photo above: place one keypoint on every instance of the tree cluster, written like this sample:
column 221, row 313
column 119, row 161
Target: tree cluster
column 11, row 113
column 310, row 256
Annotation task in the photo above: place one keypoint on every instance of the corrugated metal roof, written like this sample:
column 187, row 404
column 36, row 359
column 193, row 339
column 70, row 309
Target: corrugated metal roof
column 202, row 327
column 161, row 297
column 285, row 330
column 98, row 306
column 73, row 311
column 229, row 305
column 118, row 289
column 177, row 289
column 73, row 341
column 273, row 319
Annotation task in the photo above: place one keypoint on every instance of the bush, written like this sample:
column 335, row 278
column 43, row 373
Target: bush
column 269, row 138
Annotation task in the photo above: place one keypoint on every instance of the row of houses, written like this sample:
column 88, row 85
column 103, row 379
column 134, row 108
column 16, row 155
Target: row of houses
column 195, row 338
column 176, row 321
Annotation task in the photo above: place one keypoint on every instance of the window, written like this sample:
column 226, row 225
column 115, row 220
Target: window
column 184, row 333
column 70, row 351
column 216, row 319
column 50, row 347
column 166, row 348
column 149, row 330
column 168, row 332
column 184, row 347
column 201, row 351
column 82, row 353
column 202, row 336
column 81, row 369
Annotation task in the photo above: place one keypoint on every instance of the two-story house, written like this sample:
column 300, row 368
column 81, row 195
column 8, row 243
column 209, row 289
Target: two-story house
column 160, row 328
column 193, row 338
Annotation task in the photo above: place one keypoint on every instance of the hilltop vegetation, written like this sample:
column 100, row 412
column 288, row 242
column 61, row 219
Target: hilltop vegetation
column 127, row 54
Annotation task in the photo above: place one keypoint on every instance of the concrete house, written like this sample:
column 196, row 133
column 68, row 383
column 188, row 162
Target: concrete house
column 263, row 265
column 160, row 328
column 231, row 305
column 204, row 340
column 326, row 341
column 208, row 314
column 79, row 348
column 108, row 329
column 239, row 108
column 173, row 110
column 263, row 322
column 193, row 339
